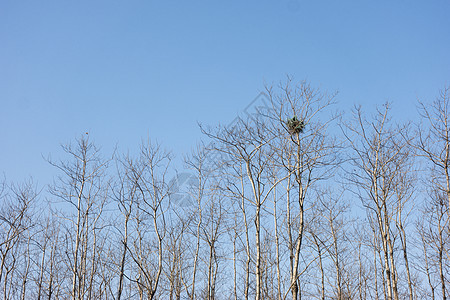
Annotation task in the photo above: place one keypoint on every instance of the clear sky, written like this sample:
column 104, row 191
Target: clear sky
column 125, row 70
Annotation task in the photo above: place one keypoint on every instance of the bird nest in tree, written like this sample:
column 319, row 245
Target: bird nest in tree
column 295, row 125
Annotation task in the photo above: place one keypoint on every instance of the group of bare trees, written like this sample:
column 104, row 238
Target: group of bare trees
column 296, row 202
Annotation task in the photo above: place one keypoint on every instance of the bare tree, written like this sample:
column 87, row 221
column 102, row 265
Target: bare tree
column 83, row 189
column 331, row 211
column 245, row 146
column 381, row 160
column 197, row 163
column 174, row 254
column 434, row 140
column 149, row 172
column 125, row 192
column 433, row 143
column 435, row 236
column 305, row 151
column 16, row 222
column 403, row 206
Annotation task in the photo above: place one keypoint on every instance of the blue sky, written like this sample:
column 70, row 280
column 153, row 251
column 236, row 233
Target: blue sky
column 123, row 70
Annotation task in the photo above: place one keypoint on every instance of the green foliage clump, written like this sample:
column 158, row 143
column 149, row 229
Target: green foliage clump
column 295, row 125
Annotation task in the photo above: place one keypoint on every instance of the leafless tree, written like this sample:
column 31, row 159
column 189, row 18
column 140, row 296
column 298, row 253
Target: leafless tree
column 435, row 236
column 433, row 143
column 83, row 189
column 16, row 222
column 197, row 194
column 305, row 150
column 149, row 172
column 381, row 160
column 125, row 192
column 434, row 140
column 245, row 147
column 331, row 210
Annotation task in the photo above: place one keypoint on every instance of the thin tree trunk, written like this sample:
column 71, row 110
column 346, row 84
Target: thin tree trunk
column 234, row 266
column 27, row 270
column 336, row 261
column 440, row 258
column 247, row 245
column 77, row 238
column 405, row 256
column 322, row 275
column 277, row 247
column 41, row 272
column 427, row 267
column 375, row 267
column 390, row 251
column 197, row 248
column 122, row 262
column 258, row 252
